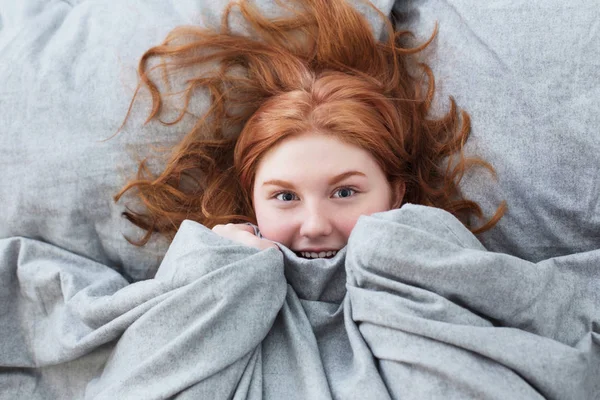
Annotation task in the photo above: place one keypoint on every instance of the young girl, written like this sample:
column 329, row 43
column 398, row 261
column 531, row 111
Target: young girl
column 313, row 123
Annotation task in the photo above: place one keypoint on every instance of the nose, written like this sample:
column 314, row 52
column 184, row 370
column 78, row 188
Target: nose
column 316, row 223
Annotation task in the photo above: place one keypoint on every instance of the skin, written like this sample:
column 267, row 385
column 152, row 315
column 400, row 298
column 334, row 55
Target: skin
column 309, row 192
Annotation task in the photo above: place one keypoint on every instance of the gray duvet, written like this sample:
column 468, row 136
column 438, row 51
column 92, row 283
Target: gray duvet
column 413, row 307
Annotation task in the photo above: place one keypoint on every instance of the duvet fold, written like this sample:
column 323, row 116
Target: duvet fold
column 413, row 307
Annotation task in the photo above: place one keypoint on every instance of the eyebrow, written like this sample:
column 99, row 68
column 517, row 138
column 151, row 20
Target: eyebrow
column 336, row 179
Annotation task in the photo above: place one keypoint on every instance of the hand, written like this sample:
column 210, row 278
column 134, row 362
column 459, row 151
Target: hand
column 244, row 234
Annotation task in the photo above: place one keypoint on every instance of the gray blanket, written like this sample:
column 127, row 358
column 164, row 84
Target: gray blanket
column 413, row 307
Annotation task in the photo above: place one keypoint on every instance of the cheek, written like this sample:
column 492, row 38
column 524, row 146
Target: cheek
column 346, row 222
column 349, row 219
column 273, row 226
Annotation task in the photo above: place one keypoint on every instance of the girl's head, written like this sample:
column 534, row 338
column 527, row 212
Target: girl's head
column 301, row 99
column 309, row 191
column 314, row 159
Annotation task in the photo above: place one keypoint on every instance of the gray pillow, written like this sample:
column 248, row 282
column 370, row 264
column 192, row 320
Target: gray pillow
column 68, row 73
column 529, row 75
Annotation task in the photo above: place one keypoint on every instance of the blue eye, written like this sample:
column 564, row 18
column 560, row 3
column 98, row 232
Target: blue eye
column 344, row 192
column 286, row 196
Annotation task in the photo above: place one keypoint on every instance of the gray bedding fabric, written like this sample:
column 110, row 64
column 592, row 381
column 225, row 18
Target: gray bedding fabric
column 528, row 73
column 414, row 307
column 68, row 73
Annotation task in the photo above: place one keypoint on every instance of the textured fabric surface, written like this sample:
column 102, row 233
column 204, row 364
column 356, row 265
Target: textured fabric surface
column 437, row 317
column 529, row 75
column 68, row 73
column 414, row 307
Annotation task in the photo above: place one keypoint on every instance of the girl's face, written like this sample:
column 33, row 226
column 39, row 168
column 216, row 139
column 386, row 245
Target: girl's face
column 310, row 190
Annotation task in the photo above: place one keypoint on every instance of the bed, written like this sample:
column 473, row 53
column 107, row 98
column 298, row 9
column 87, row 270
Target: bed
column 513, row 313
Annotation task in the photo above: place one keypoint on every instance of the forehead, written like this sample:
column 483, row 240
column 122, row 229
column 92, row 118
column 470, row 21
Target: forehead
column 313, row 154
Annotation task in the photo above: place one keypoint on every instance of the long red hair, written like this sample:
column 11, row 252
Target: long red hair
column 319, row 70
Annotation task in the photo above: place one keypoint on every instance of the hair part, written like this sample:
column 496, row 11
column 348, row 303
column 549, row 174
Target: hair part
column 320, row 70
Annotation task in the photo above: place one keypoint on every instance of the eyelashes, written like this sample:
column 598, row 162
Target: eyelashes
column 345, row 188
column 288, row 196
column 277, row 196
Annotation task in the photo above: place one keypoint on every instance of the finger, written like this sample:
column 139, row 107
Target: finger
column 272, row 245
column 245, row 227
column 267, row 244
column 218, row 228
column 254, row 241
column 231, row 228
